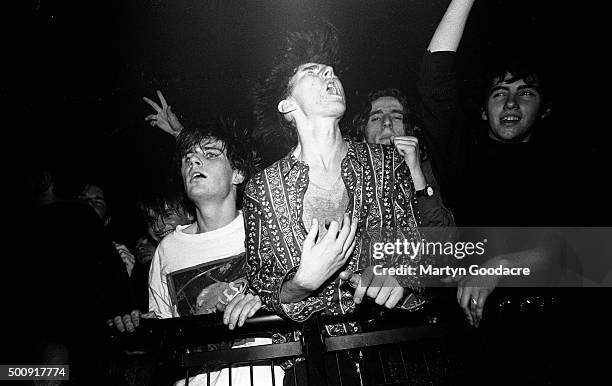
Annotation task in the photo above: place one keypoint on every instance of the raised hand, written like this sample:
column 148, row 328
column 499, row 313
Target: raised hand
column 165, row 119
column 126, row 256
column 408, row 147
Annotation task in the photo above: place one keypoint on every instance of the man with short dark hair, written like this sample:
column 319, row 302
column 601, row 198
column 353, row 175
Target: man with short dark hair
column 199, row 267
column 330, row 187
column 163, row 212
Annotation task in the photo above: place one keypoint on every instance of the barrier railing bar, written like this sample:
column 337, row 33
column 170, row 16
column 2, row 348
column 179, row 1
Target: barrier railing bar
column 237, row 355
column 377, row 338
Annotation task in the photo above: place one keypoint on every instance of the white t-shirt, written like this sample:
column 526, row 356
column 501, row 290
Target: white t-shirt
column 180, row 250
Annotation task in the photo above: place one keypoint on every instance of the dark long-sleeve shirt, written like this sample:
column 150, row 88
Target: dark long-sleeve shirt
column 485, row 182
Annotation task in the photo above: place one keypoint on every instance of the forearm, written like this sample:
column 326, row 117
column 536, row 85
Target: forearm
column 449, row 31
column 418, row 178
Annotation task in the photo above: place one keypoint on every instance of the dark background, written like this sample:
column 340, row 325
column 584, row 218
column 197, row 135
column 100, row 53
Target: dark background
column 78, row 70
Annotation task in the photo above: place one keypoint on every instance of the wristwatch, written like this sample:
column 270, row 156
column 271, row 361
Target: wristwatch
column 428, row 191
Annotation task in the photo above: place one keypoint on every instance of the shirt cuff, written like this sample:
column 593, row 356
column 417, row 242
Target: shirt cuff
column 298, row 311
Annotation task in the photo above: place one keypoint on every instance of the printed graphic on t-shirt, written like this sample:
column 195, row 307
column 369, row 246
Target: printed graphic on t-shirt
column 197, row 290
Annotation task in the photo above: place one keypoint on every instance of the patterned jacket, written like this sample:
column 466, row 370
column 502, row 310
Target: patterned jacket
column 381, row 196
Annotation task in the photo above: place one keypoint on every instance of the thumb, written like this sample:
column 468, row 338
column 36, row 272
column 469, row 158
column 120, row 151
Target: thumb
column 351, row 277
column 221, row 307
column 312, row 234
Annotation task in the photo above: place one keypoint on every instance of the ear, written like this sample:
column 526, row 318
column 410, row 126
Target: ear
column 286, row 106
column 483, row 115
column 545, row 113
column 237, row 177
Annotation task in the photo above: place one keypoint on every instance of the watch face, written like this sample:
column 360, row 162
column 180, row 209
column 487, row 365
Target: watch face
column 430, row 191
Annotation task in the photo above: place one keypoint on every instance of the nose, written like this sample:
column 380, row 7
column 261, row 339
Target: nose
column 511, row 102
column 328, row 72
column 194, row 160
column 387, row 122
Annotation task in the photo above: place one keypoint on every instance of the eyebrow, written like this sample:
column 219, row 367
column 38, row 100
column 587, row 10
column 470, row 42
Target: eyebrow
column 204, row 148
column 532, row 86
column 310, row 67
column 521, row 87
column 212, row 147
column 394, row 111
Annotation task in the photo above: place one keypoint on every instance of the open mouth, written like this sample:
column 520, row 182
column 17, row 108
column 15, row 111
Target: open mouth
column 196, row 175
column 333, row 89
column 510, row 119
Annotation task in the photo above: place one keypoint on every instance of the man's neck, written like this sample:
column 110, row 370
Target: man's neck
column 214, row 215
column 320, row 144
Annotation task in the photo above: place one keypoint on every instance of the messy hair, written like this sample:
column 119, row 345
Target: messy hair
column 318, row 44
column 527, row 70
column 360, row 120
column 234, row 138
column 157, row 206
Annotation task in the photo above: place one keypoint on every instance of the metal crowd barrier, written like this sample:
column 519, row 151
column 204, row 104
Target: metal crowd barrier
column 389, row 351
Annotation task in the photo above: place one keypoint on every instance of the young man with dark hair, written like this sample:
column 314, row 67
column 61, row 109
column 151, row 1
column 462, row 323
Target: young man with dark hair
column 514, row 102
column 308, row 212
column 199, row 268
column 480, row 174
column 163, row 212
column 386, row 118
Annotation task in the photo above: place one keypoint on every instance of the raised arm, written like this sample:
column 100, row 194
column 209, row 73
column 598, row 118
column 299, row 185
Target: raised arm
column 449, row 31
column 164, row 118
column 449, row 142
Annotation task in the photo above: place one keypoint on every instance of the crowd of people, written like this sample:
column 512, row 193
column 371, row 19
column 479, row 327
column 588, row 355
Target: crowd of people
column 295, row 236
